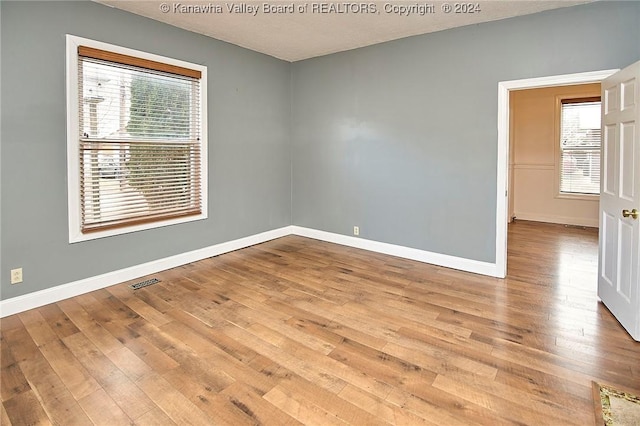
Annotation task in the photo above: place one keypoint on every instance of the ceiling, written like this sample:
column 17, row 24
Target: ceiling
column 306, row 29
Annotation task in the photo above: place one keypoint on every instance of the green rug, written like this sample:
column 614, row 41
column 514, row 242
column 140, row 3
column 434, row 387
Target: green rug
column 618, row 408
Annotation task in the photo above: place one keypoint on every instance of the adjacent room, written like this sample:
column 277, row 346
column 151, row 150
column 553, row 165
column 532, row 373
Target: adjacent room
column 319, row 212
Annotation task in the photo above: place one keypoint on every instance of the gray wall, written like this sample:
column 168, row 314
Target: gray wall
column 249, row 146
column 401, row 138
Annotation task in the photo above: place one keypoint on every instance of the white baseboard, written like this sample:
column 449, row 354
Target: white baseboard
column 467, row 265
column 563, row 220
column 76, row 288
column 51, row 295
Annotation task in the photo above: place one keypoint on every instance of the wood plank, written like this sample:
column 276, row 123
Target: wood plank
column 100, row 337
column 384, row 367
column 24, row 409
column 322, row 377
column 39, row 330
column 59, row 322
column 12, row 380
column 75, row 377
column 300, row 408
column 505, row 405
column 154, row 417
column 102, row 410
column 245, row 406
column 55, row 399
column 449, row 412
column 171, row 339
column 132, row 366
column 380, row 408
column 154, row 357
column 118, row 386
column 140, row 307
column 4, row 417
column 10, row 323
column 173, row 403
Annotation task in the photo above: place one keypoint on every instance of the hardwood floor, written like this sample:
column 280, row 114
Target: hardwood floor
column 301, row 331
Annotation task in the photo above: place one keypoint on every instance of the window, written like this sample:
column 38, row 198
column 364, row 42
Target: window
column 580, row 146
column 136, row 140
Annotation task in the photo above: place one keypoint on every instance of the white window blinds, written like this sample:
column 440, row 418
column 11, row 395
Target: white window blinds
column 580, row 146
column 139, row 140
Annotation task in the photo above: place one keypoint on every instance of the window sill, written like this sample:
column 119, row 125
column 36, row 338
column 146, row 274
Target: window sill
column 583, row 197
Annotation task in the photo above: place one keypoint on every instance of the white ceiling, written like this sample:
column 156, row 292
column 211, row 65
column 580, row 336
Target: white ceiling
column 302, row 35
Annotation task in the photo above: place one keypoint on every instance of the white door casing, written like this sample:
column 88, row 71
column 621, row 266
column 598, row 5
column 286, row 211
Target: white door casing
column 504, row 87
column 618, row 263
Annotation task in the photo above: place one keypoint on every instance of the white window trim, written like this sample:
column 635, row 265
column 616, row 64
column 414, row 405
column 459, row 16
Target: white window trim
column 73, row 158
column 558, row 154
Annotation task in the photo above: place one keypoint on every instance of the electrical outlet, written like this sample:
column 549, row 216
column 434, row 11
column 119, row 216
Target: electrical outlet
column 16, row 276
column 356, row 230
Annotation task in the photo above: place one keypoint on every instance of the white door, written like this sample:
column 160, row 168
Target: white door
column 618, row 274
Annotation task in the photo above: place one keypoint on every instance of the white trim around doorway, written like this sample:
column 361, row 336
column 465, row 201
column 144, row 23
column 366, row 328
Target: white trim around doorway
column 504, row 87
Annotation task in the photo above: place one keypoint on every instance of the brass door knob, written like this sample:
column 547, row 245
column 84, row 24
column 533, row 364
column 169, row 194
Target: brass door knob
column 633, row 213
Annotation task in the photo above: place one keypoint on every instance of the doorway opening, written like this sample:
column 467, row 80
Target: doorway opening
column 504, row 89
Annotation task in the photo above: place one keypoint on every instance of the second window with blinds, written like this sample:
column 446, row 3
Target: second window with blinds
column 136, row 140
column 579, row 147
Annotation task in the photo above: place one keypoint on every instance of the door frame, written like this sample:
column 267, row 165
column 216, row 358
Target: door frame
column 502, row 195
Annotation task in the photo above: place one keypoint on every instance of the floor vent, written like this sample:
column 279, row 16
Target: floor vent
column 146, row 283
